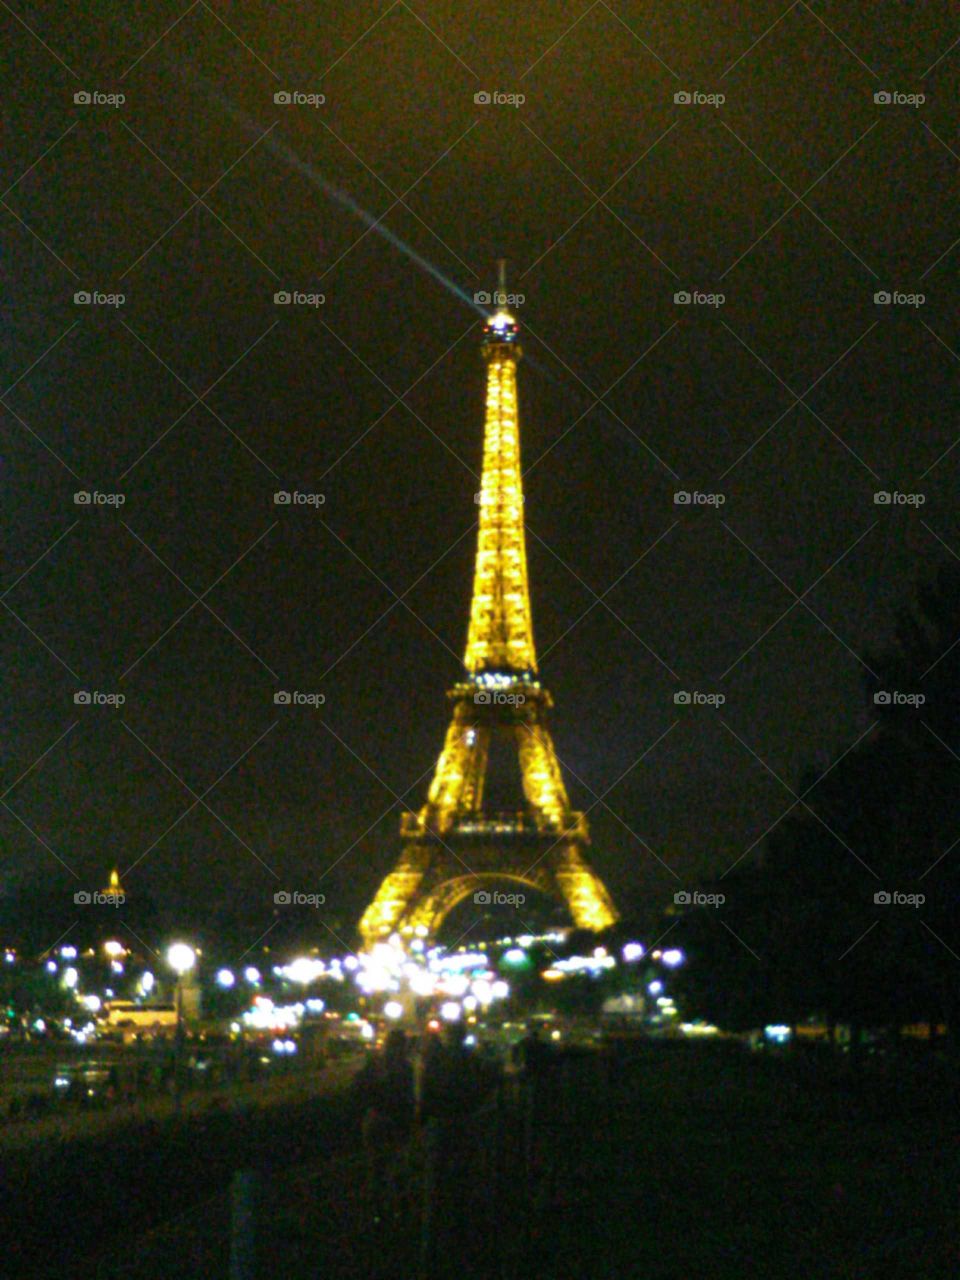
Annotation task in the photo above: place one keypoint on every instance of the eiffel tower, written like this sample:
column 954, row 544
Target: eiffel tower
column 454, row 847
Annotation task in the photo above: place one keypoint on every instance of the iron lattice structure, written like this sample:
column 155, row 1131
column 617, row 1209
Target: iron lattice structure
column 453, row 846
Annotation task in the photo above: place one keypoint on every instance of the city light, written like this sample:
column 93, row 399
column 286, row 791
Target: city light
column 632, row 951
column 225, row 978
column 672, row 958
column 181, row 958
column 304, row 970
column 393, row 1009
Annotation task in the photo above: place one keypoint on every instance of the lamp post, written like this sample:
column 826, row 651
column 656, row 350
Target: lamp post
column 181, row 959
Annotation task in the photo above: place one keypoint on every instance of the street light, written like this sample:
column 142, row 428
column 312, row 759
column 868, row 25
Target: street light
column 181, row 959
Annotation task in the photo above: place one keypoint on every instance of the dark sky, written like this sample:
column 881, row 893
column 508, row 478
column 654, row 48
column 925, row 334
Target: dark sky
column 798, row 198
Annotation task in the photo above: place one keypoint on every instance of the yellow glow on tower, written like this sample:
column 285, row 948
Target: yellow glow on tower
column 500, row 637
column 453, row 841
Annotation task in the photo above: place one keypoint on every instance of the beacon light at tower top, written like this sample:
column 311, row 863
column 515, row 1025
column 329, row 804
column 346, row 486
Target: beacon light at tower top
column 501, row 327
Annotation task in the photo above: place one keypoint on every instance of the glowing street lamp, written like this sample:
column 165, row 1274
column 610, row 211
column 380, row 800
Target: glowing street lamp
column 181, row 958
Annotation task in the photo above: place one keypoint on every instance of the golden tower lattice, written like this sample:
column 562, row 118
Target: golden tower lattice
column 454, row 846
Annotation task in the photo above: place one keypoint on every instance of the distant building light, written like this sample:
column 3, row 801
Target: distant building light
column 777, row 1032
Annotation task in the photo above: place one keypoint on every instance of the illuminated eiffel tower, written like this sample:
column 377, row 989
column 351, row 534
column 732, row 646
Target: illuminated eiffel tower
column 454, row 847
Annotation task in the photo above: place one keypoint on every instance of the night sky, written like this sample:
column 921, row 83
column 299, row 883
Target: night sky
column 198, row 198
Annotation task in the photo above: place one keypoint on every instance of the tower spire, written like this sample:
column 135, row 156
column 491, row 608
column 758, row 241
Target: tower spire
column 500, row 635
